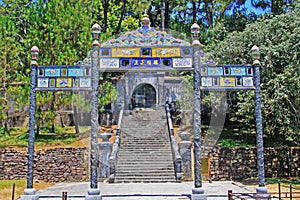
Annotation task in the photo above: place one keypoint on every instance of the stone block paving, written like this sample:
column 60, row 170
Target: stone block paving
column 143, row 191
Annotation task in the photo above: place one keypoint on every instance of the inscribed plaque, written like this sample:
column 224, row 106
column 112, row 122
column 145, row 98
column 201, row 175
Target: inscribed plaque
column 238, row 71
column 75, row 71
column 126, row 52
column 63, row 82
column 227, row 81
column 52, row 71
column 215, row 71
column 182, row 62
column 166, row 52
column 43, row 82
column 109, row 63
column 85, row 82
column 248, row 81
column 206, row 81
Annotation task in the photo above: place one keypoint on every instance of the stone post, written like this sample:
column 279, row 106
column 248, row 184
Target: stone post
column 261, row 189
column 105, row 148
column 185, row 146
column 94, row 192
column 30, row 192
column 198, row 191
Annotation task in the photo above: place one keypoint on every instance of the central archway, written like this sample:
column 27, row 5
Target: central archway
column 144, row 96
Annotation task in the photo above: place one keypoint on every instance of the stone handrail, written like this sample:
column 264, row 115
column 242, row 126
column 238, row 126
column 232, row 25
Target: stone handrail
column 113, row 157
column 177, row 160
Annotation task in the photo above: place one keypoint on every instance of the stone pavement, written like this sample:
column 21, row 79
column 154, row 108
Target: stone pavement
column 143, row 191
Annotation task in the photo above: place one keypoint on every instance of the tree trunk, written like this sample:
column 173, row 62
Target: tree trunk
column 209, row 13
column 105, row 9
column 121, row 17
column 167, row 18
column 194, row 12
column 61, row 120
column 277, row 6
column 52, row 110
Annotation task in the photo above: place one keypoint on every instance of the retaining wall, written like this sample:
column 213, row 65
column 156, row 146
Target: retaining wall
column 71, row 164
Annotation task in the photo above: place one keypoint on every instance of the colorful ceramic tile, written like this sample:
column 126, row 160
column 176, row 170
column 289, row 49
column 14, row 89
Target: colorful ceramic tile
column 105, row 52
column 227, row 81
column 126, row 52
column 203, row 71
column 75, row 71
column 186, row 52
column 85, row 82
column 52, row 71
column 182, row 62
column 249, row 71
column 108, row 63
column 63, row 82
column 52, row 82
column 43, row 82
column 75, row 82
column 64, row 71
column 247, row 81
column 238, row 71
column 215, row 71
column 146, row 52
column 206, row 81
column 41, row 71
column 125, row 63
column 166, row 52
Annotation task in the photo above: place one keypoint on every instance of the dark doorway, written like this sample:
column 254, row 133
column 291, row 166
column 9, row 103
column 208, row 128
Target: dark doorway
column 144, row 96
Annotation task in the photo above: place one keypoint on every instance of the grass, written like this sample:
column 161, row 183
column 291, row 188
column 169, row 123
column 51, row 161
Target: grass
column 63, row 137
column 283, row 180
column 6, row 188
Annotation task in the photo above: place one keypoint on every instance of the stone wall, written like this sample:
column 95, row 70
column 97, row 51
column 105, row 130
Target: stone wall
column 71, row 164
column 52, row 165
column 240, row 163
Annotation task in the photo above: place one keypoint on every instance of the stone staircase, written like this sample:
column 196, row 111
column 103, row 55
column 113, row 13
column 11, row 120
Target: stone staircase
column 145, row 151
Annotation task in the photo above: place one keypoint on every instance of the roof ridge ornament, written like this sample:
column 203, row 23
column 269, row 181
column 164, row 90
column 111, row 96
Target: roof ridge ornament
column 145, row 21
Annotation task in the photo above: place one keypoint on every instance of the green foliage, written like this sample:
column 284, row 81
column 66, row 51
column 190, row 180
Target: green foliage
column 278, row 38
column 19, row 137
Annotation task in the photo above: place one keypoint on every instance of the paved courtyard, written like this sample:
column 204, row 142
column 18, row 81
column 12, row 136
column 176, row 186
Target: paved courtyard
column 143, row 191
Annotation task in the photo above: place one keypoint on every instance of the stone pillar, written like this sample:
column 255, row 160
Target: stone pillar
column 94, row 191
column 105, row 148
column 261, row 189
column 30, row 192
column 185, row 146
column 198, row 191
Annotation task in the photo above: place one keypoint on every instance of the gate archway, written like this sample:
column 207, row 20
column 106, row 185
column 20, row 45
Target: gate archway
column 144, row 96
column 145, row 50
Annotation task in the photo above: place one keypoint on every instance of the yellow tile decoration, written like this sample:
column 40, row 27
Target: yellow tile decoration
column 63, row 82
column 227, row 81
column 166, row 52
column 125, row 52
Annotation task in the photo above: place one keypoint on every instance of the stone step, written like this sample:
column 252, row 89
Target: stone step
column 144, row 179
column 144, row 165
column 145, row 152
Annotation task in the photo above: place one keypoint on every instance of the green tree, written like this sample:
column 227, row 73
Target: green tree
column 10, row 64
column 279, row 42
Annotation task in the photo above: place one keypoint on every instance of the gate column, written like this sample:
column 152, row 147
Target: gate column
column 94, row 192
column 261, row 189
column 198, row 191
column 30, row 192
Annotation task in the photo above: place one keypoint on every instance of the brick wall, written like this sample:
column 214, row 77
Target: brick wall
column 71, row 164
column 52, row 165
column 240, row 163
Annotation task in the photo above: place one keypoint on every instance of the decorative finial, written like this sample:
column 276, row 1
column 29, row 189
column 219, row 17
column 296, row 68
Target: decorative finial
column 34, row 53
column 96, row 30
column 255, row 55
column 145, row 20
